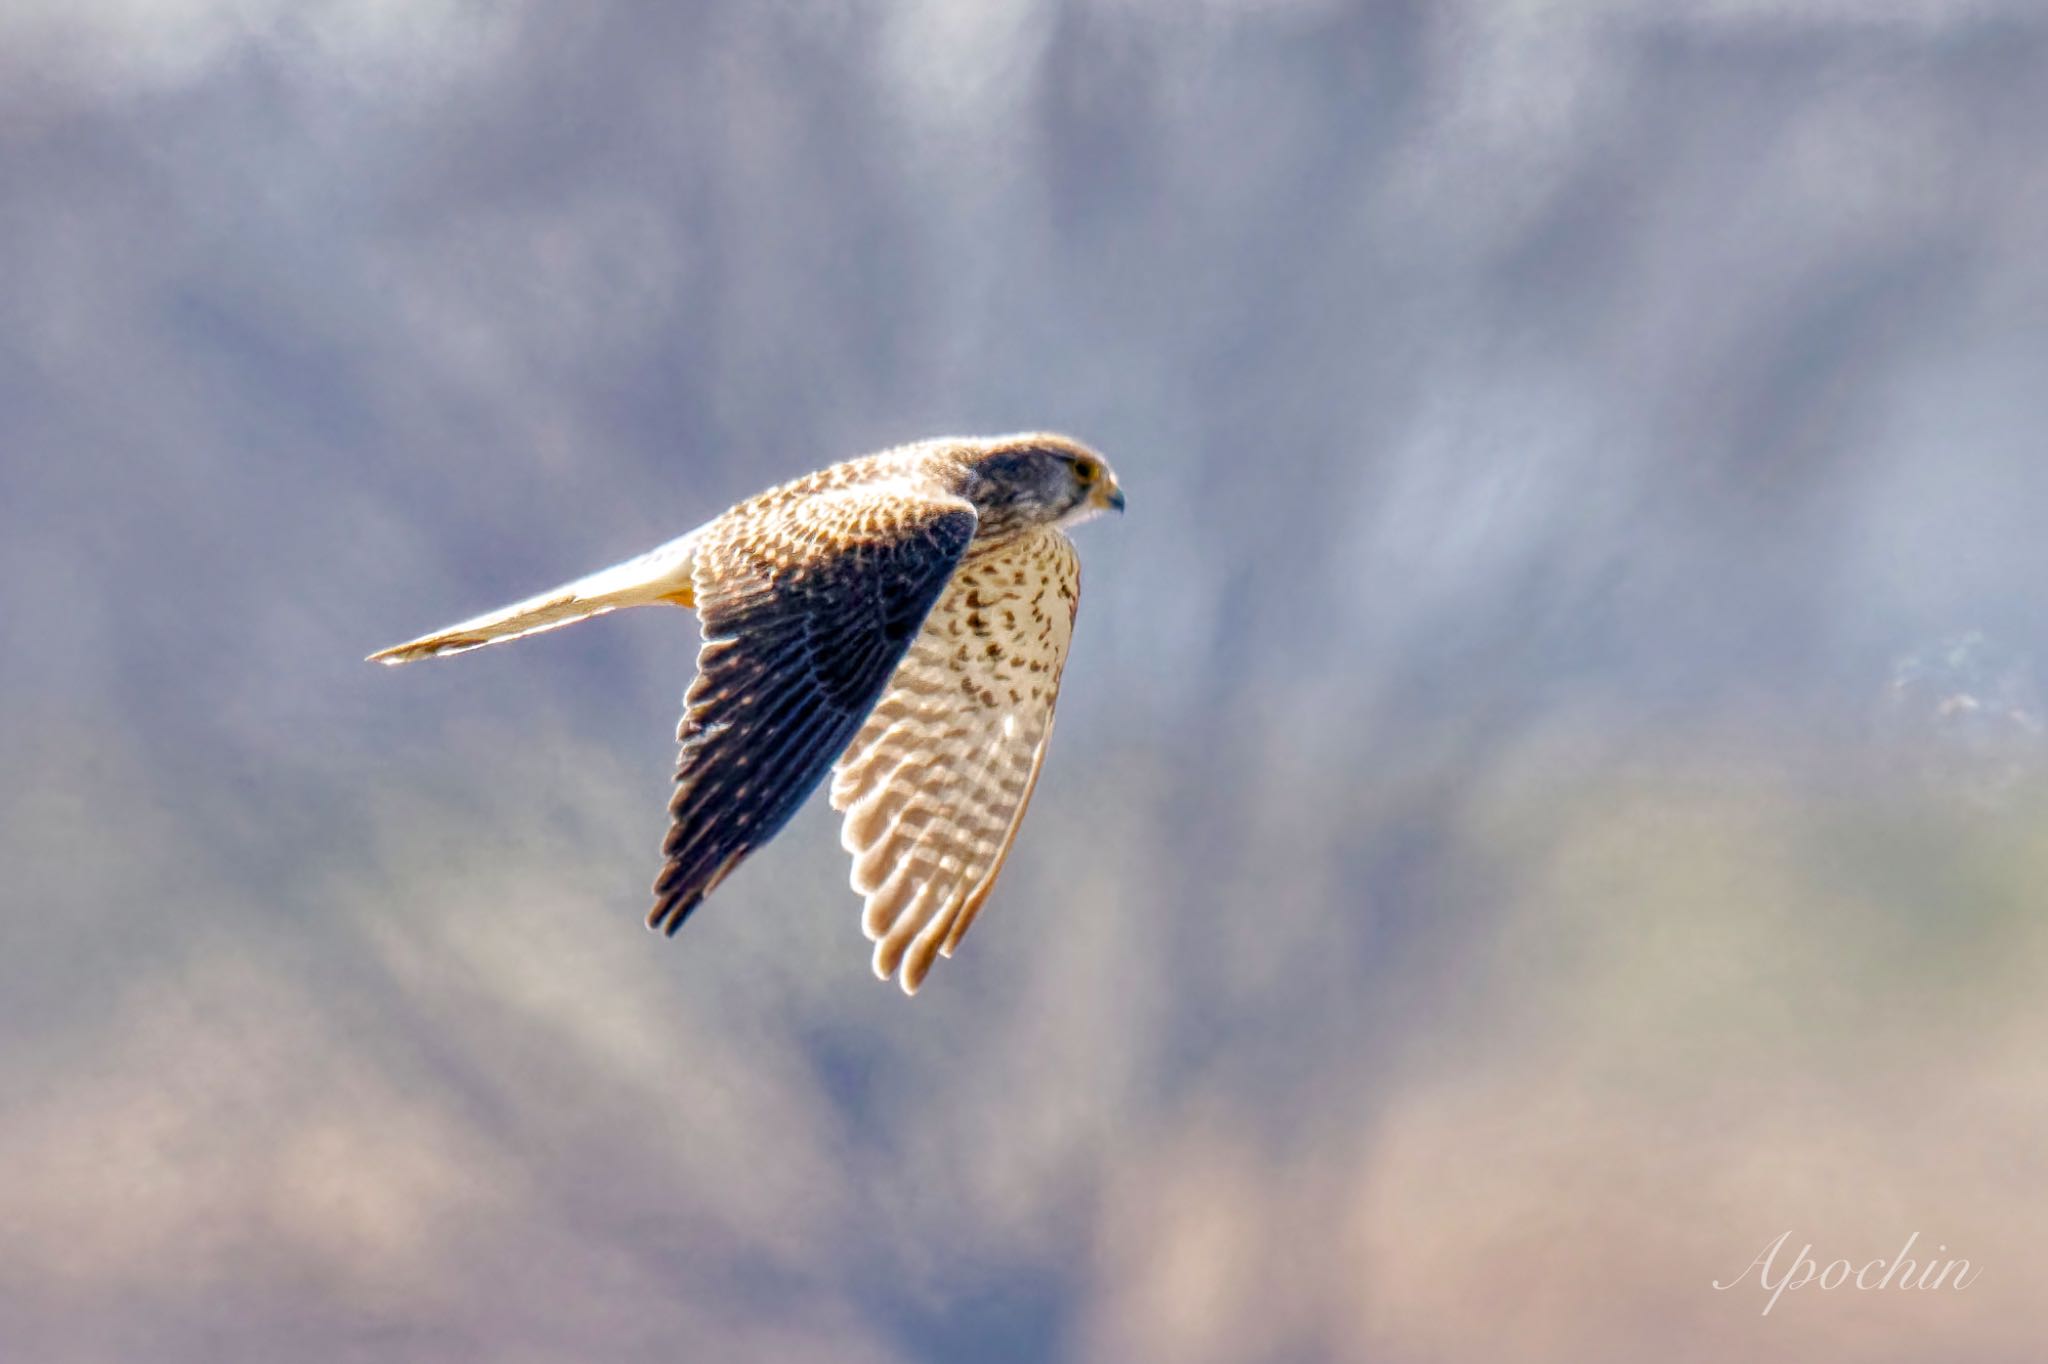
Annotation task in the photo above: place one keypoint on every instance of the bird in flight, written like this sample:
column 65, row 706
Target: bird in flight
column 899, row 619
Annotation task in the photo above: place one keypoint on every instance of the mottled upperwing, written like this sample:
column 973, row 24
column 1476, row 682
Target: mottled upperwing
column 807, row 605
column 937, row 782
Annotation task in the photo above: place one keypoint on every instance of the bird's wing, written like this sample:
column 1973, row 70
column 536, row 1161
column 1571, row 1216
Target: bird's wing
column 807, row 604
column 936, row 783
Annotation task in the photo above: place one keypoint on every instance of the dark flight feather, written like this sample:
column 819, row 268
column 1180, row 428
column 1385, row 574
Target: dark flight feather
column 805, row 614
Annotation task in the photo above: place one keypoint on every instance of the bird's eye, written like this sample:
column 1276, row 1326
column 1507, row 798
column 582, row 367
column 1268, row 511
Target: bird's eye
column 1086, row 470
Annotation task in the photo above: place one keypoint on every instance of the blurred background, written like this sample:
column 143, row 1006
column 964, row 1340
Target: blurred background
column 1550, row 788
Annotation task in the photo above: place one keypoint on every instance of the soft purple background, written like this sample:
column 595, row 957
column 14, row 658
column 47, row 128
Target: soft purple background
column 1550, row 790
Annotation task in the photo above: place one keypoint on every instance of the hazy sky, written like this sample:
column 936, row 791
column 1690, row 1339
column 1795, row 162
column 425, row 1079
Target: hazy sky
column 1550, row 788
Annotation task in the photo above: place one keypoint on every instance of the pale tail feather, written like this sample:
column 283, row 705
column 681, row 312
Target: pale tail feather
column 658, row 576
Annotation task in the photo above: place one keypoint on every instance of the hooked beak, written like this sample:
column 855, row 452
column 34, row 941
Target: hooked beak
column 1112, row 497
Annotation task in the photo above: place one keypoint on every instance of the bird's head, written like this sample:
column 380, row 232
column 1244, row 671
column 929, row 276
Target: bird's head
column 1038, row 479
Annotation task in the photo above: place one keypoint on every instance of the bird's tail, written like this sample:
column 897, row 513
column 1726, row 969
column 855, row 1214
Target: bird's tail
column 660, row 575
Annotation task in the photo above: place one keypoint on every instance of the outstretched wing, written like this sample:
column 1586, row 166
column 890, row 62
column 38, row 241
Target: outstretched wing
column 807, row 605
column 936, row 783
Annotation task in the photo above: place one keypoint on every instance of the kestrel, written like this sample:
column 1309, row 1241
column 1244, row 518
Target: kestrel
column 901, row 619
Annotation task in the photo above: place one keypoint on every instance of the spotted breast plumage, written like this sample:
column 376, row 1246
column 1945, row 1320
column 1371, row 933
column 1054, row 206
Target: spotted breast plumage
column 899, row 620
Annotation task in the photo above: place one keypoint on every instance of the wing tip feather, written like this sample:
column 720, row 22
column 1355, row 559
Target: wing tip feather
column 677, row 893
